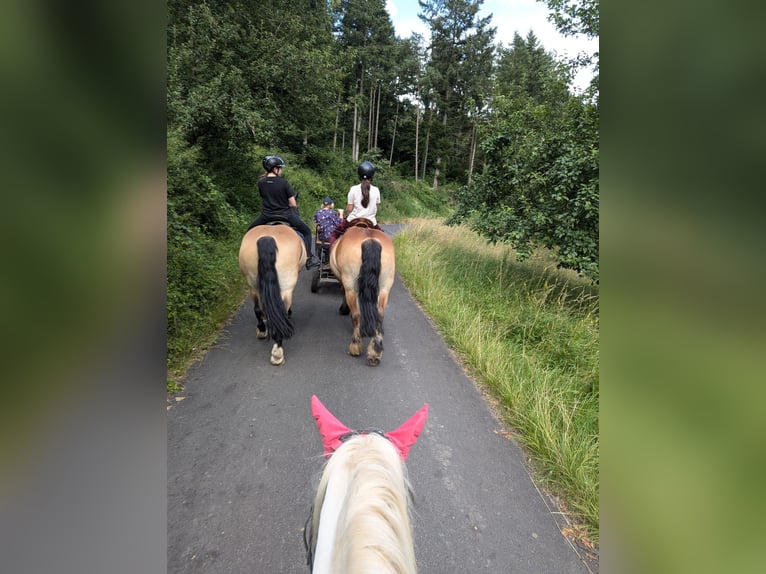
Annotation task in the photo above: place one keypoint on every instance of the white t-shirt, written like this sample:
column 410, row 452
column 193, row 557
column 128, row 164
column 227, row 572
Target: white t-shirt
column 369, row 212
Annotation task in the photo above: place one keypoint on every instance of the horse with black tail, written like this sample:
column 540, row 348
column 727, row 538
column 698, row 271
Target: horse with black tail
column 270, row 258
column 363, row 260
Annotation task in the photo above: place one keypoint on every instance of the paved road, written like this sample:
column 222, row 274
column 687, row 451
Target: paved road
column 244, row 454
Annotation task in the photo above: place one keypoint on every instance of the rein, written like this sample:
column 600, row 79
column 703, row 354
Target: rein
column 353, row 433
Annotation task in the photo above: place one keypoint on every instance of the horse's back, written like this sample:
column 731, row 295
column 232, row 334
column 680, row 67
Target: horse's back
column 290, row 246
column 290, row 256
column 346, row 255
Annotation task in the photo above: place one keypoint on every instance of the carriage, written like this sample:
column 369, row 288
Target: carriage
column 323, row 273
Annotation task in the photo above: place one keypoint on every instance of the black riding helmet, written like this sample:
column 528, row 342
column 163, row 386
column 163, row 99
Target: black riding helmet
column 272, row 161
column 366, row 170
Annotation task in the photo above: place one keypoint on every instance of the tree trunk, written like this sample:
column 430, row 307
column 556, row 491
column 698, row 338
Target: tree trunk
column 393, row 139
column 377, row 116
column 337, row 120
column 370, row 117
column 438, row 163
column 417, row 130
column 473, row 153
column 355, row 144
column 354, row 131
column 428, row 136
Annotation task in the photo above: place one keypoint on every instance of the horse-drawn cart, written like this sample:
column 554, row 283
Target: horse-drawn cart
column 323, row 272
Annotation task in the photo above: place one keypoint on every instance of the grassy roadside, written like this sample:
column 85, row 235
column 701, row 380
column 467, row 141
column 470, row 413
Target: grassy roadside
column 529, row 333
column 200, row 302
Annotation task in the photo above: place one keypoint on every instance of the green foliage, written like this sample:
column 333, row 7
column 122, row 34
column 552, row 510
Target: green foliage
column 203, row 230
column 203, row 288
column 530, row 333
column 540, row 186
column 575, row 16
column 458, row 77
column 193, row 198
column 245, row 79
column 404, row 199
column 526, row 69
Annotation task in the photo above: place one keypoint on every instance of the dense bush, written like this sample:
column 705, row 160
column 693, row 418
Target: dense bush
column 540, row 186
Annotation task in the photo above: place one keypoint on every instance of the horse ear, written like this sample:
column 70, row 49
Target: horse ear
column 329, row 427
column 406, row 435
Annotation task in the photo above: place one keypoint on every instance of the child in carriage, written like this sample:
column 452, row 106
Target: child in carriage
column 327, row 219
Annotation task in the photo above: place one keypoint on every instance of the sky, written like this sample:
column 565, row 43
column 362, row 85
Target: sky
column 508, row 17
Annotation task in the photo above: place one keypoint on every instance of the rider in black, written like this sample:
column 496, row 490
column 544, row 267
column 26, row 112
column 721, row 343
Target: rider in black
column 278, row 199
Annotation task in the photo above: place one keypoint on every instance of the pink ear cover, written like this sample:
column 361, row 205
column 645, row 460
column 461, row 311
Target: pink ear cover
column 329, row 427
column 406, row 435
column 332, row 429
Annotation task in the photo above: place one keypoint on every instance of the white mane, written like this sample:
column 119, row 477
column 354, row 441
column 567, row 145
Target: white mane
column 360, row 522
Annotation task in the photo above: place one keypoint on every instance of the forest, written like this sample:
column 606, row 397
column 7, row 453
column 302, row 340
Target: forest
column 482, row 134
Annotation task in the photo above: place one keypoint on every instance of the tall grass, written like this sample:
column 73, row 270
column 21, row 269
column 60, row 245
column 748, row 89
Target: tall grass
column 530, row 334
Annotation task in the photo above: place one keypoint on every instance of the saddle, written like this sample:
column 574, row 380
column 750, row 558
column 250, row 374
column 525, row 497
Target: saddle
column 362, row 222
column 279, row 221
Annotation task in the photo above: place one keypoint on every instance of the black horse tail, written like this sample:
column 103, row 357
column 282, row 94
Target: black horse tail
column 367, row 289
column 278, row 322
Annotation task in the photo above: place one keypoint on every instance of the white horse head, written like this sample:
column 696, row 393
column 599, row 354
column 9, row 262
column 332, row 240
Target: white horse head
column 360, row 519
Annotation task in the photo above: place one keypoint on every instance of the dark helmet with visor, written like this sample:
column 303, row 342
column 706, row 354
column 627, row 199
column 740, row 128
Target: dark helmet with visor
column 270, row 162
column 366, row 170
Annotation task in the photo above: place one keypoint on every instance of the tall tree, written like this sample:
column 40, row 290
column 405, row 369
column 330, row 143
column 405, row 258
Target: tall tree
column 365, row 32
column 461, row 62
column 541, row 144
column 526, row 69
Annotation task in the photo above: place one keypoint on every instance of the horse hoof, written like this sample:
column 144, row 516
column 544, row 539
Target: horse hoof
column 261, row 335
column 354, row 350
column 373, row 361
column 277, row 356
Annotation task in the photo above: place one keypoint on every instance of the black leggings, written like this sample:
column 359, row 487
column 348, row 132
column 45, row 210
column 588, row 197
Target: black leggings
column 295, row 222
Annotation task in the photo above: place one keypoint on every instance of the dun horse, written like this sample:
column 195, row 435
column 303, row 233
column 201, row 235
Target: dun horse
column 360, row 519
column 270, row 258
column 363, row 260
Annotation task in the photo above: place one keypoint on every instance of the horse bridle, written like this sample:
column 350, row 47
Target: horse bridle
column 359, row 432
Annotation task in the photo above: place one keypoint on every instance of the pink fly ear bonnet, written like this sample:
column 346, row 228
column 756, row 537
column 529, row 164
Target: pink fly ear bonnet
column 332, row 429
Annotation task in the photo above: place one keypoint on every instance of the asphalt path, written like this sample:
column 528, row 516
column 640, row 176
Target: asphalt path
column 244, row 454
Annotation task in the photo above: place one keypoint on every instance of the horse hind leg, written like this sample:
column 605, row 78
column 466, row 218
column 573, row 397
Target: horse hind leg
column 344, row 309
column 375, row 349
column 355, row 347
column 260, row 330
